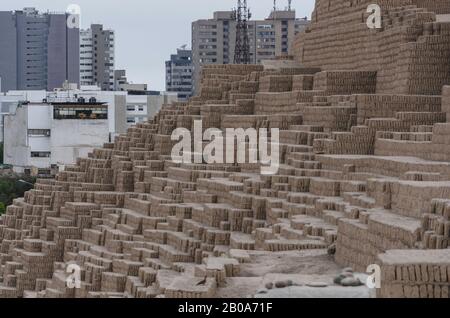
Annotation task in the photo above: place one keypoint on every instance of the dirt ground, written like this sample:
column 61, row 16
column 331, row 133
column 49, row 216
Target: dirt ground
column 300, row 267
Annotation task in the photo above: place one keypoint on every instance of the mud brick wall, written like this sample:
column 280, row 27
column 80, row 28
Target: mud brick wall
column 379, row 106
column 387, row 147
column 286, row 102
column 359, row 241
column 331, row 118
column 352, row 245
column 437, row 6
column 212, row 114
column 339, row 39
column 345, row 82
column 279, row 83
column 302, row 82
column 435, row 147
column 415, row 274
column 436, row 225
column 390, row 231
column 382, row 165
column 158, row 213
column 440, row 134
column 245, row 122
column 283, row 121
column 265, row 103
column 359, row 141
column 423, row 65
column 326, row 9
column 413, row 199
column 446, row 101
column 250, row 87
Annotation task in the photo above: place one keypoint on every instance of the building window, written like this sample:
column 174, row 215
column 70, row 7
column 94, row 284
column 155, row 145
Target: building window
column 40, row 154
column 44, row 172
column 80, row 112
column 39, row 132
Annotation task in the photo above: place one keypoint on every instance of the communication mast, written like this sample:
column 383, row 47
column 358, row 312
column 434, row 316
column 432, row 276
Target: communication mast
column 289, row 5
column 242, row 49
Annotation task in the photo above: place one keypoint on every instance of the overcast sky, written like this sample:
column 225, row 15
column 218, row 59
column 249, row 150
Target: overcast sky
column 148, row 31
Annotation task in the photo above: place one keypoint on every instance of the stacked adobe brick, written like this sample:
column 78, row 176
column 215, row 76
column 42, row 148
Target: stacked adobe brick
column 140, row 225
column 411, row 55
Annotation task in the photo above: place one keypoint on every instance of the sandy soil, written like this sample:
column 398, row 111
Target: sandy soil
column 301, row 267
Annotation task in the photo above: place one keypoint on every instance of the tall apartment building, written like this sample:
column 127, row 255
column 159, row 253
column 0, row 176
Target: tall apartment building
column 213, row 40
column 86, row 58
column 179, row 74
column 97, row 57
column 38, row 51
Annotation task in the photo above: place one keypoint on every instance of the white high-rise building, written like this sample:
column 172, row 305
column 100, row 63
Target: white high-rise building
column 97, row 57
column 86, row 58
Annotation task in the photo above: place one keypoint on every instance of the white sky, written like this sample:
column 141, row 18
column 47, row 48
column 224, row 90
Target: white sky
column 148, row 31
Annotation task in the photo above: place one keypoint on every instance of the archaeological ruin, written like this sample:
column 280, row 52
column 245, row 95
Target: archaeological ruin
column 364, row 119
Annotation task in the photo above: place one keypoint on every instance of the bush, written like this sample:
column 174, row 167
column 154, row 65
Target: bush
column 11, row 188
column 2, row 208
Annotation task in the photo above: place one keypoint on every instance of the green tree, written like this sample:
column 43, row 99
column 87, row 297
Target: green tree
column 2, row 208
column 11, row 188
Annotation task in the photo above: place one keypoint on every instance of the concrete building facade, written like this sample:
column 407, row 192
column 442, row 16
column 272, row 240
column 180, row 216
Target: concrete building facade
column 179, row 74
column 141, row 108
column 86, row 58
column 121, row 84
column 38, row 51
column 213, row 40
column 97, row 57
column 120, row 78
column 43, row 131
column 48, row 135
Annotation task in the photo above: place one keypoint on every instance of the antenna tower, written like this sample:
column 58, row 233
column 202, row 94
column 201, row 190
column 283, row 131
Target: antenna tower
column 242, row 49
